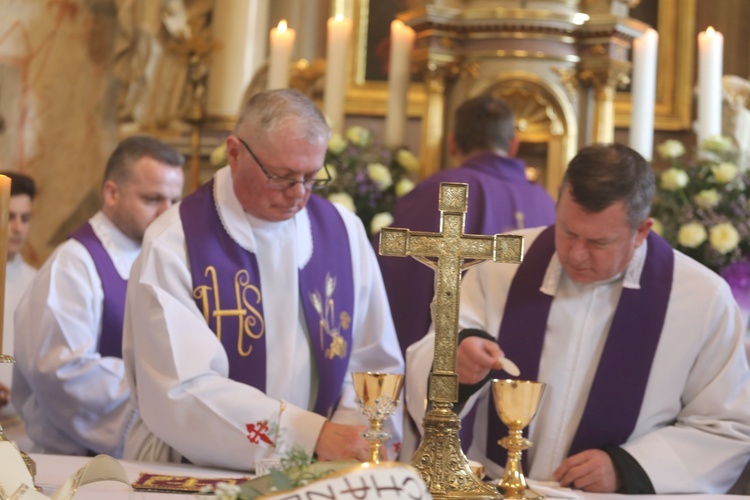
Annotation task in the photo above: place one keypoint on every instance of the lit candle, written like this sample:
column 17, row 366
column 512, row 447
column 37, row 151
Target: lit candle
column 399, row 69
column 282, row 42
column 4, row 215
column 643, row 93
column 710, row 55
column 339, row 35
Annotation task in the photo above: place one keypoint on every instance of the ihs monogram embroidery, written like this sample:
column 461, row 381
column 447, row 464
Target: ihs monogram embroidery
column 326, row 311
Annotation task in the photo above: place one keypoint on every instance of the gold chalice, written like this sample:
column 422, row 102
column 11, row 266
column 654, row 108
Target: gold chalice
column 377, row 398
column 516, row 402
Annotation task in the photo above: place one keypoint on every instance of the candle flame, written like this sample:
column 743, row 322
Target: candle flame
column 339, row 18
column 710, row 31
column 282, row 25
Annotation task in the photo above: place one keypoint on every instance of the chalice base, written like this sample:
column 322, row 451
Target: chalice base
column 5, row 358
column 441, row 462
column 519, row 494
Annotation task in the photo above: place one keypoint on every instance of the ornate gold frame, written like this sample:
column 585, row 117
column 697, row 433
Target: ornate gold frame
column 674, row 81
column 371, row 97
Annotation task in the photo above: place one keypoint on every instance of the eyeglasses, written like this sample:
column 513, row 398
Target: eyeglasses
column 278, row 183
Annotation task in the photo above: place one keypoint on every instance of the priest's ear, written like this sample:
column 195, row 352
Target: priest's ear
column 513, row 147
column 452, row 146
column 233, row 150
column 110, row 193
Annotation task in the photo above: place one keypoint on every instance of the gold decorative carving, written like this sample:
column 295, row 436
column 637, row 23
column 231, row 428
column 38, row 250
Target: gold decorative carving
column 439, row 459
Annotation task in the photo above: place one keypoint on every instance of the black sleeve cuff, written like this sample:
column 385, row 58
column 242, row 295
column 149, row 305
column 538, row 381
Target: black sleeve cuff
column 466, row 390
column 633, row 479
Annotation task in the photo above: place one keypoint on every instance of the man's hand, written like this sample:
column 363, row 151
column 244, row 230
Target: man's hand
column 4, row 395
column 342, row 442
column 476, row 357
column 590, row 470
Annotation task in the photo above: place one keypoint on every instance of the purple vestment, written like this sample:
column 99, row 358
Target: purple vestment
column 227, row 290
column 498, row 190
column 114, row 287
column 616, row 395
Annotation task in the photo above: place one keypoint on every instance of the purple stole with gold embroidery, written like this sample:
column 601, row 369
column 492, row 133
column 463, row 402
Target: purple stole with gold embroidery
column 227, row 290
column 619, row 385
column 114, row 288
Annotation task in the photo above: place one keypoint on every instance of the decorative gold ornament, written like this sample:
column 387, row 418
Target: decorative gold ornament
column 439, row 459
column 516, row 402
column 377, row 398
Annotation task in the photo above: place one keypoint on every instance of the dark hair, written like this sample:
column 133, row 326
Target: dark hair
column 132, row 149
column 266, row 110
column 601, row 175
column 21, row 184
column 482, row 123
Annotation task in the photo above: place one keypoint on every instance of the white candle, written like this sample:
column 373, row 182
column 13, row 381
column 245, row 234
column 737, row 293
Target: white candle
column 710, row 55
column 239, row 27
column 339, row 37
column 643, row 93
column 4, row 215
column 282, row 42
column 399, row 70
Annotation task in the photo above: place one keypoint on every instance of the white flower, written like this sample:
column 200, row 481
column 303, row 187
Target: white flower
column 343, row 199
column 406, row 159
column 379, row 221
column 718, row 144
column 708, row 198
column 404, row 186
column 673, row 179
column 725, row 173
column 691, row 235
column 218, row 156
column 359, row 136
column 658, row 227
column 670, row 149
column 380, row 174
column 336, row 144
column 724, row 237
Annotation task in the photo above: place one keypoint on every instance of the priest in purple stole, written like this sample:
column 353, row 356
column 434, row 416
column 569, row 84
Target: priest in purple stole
column 501, row 199
column 252, row 303
column 641, row 348
column 70, row 386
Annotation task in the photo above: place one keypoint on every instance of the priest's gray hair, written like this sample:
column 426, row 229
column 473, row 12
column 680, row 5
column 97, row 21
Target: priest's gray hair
column 601, row 175
column 266, row 112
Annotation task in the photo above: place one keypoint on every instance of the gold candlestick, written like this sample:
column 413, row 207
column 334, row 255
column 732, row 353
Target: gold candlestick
column 516, row 402
column 377, row 398
column 4, row 216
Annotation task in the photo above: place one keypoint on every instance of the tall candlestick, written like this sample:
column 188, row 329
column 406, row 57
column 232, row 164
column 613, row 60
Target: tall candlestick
column 643, row 93
column 4, row 215
column 282, row 42
column 339, row 35
column 710, row 55
column 399, row 69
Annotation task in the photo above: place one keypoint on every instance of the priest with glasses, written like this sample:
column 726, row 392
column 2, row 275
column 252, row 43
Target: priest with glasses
column 251, row 304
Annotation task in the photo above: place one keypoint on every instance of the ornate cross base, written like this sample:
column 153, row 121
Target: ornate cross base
column 441, row 462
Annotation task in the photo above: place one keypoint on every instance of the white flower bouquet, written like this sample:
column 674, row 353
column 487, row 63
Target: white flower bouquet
column 702, row 208
column 366, row 177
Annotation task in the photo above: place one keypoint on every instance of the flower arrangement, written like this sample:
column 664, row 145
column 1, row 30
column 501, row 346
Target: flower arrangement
column 702, row 208
column 366, row 177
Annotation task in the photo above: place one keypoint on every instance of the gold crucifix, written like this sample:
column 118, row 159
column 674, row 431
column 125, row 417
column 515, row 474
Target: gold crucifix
column 439, row 458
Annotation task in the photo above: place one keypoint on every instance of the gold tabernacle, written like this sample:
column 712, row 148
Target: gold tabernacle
column 439, row 459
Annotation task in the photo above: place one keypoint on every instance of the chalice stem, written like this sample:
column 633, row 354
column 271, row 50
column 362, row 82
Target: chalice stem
column 376, row 441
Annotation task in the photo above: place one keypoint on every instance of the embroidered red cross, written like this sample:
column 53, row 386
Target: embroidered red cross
column 258, row 432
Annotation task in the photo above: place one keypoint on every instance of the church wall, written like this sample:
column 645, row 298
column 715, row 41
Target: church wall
column 59, row 123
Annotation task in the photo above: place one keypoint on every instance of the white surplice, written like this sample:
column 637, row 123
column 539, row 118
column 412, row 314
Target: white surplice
column 693, row 431
column 178, row 368
column 72, row 400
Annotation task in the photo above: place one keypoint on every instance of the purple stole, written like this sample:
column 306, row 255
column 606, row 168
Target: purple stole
column 114, row 287
column 616, row 395
column 227, row 290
